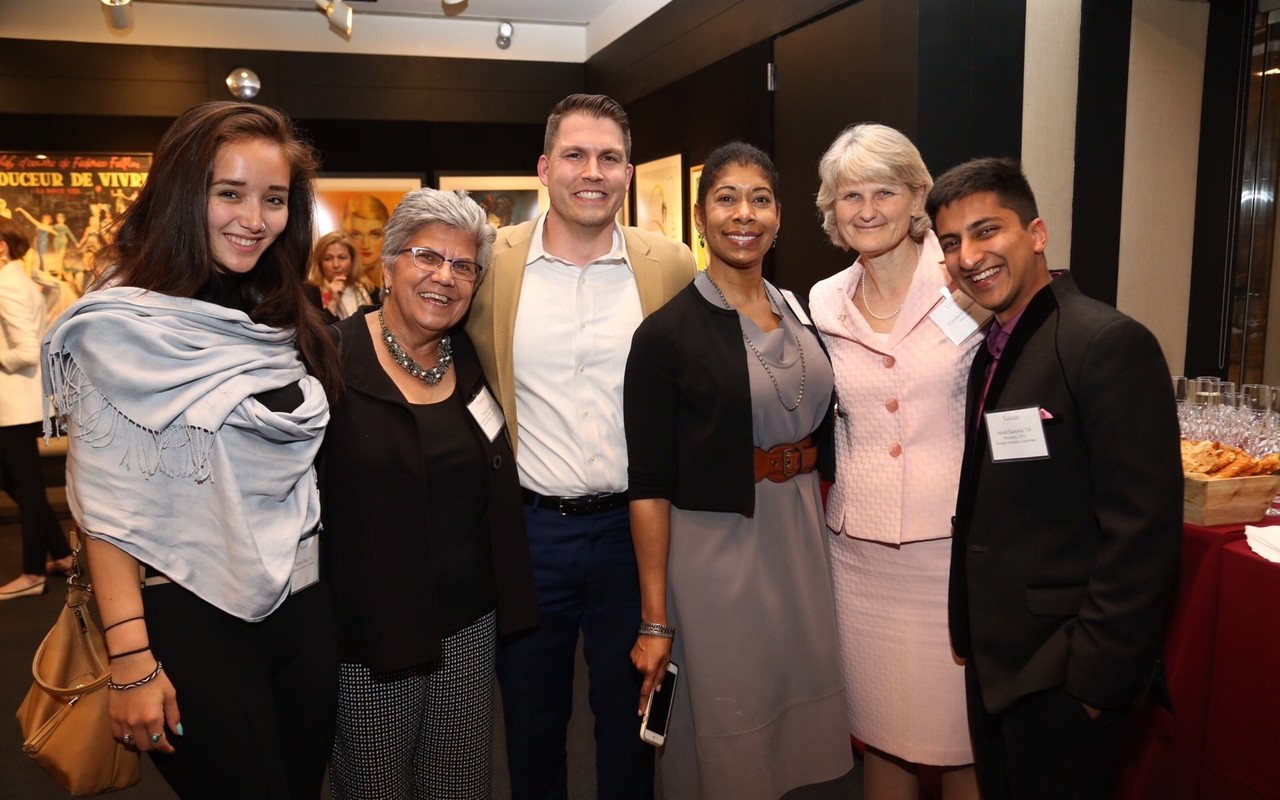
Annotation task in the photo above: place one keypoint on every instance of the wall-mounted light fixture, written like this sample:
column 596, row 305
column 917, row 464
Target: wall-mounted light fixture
column 339, row 13
column 505, row 29
column 119, row 13
column 243, row 83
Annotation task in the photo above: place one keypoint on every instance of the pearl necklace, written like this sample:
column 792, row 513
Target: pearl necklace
column 433, row 376
column 867, row 305
column 777, row 389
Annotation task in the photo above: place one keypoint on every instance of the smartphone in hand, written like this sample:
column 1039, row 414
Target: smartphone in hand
column 657, row 712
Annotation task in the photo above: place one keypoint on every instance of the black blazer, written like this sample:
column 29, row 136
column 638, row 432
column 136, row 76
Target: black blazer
column 376, row 533
column 1062, row 567
column 687, row 403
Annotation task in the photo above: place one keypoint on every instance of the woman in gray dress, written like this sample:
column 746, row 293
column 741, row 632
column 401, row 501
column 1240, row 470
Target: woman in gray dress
column 724, row 389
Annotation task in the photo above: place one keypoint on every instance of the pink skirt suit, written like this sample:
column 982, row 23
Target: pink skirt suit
column 899, row 438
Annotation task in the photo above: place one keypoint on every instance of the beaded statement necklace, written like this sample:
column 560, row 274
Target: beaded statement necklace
column 777, row 389
column 433, row 376
column 867, row 305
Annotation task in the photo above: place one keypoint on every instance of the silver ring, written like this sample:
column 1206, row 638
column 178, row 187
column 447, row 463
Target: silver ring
column 156, row 737
column 127, row 738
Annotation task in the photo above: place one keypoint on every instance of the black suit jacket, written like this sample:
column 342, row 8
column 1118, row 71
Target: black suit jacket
column 1062, row 567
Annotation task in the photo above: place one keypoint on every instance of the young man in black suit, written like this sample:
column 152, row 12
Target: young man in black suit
column 1068, row 520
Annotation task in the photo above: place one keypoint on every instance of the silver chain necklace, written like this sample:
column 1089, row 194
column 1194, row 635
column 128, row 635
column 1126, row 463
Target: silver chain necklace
column 777, row 389
column 867, row 305
column 433, row 376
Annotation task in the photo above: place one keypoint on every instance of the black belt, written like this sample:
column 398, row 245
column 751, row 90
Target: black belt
column 576, row 506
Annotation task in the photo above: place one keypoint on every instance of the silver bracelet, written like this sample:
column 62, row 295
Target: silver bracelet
column 657, row 629
column 120, row 687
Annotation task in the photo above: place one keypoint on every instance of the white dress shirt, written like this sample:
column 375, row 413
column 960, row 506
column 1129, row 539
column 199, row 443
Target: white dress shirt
column 572, row 337
column 22, row 324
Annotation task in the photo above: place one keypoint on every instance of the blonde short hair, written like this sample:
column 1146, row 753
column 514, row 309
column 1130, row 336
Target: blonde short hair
column 870, row 151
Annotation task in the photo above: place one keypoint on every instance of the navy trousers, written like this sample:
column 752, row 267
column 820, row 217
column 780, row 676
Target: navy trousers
column 584, row 571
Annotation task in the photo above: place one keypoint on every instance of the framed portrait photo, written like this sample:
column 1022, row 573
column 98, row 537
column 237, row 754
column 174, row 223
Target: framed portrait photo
column 509, row 199
column 660, row 197
column 359, row 206
column 699, row 249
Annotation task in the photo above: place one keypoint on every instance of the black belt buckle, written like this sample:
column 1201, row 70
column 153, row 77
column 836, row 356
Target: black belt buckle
column 576, row 506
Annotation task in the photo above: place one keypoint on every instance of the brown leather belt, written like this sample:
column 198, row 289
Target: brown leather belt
column 784, row 462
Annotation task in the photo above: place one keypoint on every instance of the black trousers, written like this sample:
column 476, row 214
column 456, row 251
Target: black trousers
column 258, row 700
column 22, row 478
column 1043, row 747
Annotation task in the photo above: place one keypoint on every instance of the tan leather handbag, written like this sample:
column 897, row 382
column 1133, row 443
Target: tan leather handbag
column 65, row 719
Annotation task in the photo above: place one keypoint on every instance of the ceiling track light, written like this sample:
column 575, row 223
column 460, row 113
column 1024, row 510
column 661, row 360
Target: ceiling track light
column 505, row 29
column 339, row 13
column 119, row 13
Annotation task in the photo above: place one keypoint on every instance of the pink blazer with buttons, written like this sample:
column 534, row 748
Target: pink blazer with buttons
column 899, row 436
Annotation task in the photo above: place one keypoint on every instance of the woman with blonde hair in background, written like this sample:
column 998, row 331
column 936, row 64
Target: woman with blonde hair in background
column 334, row 280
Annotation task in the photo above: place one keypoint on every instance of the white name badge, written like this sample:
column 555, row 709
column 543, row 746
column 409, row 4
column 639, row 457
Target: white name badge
column 798, row 309
column 1016, row 434
column 957, row 322
column 487, row 413
column 306, row 565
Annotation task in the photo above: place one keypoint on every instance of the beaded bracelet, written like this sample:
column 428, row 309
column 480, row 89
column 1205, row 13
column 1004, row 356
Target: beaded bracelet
column 120, row 687
column 657, row 629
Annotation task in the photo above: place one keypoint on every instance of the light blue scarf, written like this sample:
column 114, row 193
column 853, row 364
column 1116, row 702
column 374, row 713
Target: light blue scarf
column 171, row 458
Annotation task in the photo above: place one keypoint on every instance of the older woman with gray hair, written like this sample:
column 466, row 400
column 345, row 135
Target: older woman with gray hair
column 428, row 575
column 901, row 340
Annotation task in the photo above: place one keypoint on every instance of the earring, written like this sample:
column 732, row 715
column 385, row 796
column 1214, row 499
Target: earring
column 702, row 240
column 775, row 242
column 386, row 291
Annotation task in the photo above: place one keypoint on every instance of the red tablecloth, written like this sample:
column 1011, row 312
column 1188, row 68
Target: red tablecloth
column 1242, row 749
column 1165, row 754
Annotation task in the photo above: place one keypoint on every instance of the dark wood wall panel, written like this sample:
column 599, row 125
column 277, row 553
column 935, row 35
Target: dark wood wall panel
column 1218, row 183
column 1102, row 102
column 970, row 80
column 687, row 35
column 73, row 78
column 947, row 73
column 725, row 101
column 856, row 65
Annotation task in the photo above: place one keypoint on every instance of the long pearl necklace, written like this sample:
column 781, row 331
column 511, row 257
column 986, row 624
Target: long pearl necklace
column 867, row 305
column 433, row 376
column 777, row 389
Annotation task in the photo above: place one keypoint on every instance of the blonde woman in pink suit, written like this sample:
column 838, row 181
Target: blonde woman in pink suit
column 901, row 342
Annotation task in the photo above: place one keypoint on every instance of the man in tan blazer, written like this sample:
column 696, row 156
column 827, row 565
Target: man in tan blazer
column 552, row 323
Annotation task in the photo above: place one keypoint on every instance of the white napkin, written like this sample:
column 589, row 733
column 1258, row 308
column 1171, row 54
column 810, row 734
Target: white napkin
column 1264, row 541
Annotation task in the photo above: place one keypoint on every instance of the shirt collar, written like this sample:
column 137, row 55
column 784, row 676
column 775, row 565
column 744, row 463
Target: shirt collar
column 998, row 336
column 617, row 252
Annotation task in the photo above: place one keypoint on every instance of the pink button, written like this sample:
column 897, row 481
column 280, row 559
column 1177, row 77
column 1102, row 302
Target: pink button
column 891, row 404
column 888, row 362
column 895, row 449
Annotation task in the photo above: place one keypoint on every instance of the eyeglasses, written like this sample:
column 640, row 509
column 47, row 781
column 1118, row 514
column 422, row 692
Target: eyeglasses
column 428, row 260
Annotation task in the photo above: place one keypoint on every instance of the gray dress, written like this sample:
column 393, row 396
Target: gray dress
column 759, row 706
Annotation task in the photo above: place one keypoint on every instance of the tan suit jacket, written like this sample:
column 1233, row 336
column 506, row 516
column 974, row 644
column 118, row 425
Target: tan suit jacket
column 662, row 268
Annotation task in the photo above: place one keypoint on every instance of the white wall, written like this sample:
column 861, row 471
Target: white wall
column 1049, row 115
column 1162, row 140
